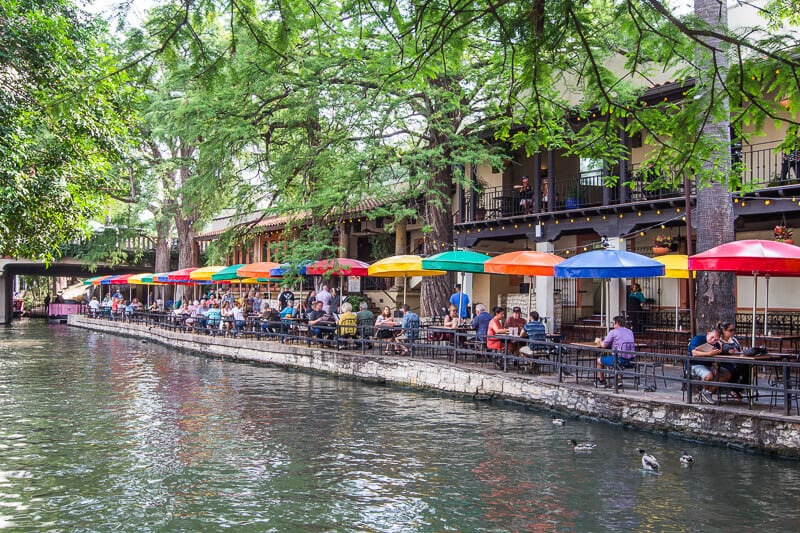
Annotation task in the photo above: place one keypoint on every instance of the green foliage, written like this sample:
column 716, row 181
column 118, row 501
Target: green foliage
column 64, row 121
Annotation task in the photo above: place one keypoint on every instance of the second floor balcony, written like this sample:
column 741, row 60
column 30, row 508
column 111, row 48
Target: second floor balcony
column 763, row 170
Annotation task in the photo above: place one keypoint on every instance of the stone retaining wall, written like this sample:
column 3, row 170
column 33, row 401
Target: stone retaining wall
column 732, row 427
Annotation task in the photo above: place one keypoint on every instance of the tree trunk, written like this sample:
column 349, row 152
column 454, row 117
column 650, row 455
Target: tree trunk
column 435, row 291
column 714, row 211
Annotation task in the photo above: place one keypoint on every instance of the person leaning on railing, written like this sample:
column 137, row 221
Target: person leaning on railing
column 706, row 345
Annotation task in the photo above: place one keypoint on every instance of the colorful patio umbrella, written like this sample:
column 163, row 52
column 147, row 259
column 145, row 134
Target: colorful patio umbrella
column 204, row 273
column 284, row 268
column 257, row 270
column 338, row 267
column 91, row 281
column 675, row 267
column 751, row 257
column 401, row 266
column 462, row 261
column 607, row 264
column 181, row 275
column 228, row 273
column 136, row 279
column 523, row 263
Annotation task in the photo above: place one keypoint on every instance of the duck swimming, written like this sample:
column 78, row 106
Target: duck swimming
column 582, row 447
column 558, row 421
column 648, row 461
column 686, row 459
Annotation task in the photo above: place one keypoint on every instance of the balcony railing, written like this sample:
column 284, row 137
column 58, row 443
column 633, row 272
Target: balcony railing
column 762, row 166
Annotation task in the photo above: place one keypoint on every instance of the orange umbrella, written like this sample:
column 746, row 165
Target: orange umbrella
column 523, row 263
column 256, row 270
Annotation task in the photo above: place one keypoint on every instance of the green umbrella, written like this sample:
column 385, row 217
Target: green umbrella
column 228, row 273
column 457, row 261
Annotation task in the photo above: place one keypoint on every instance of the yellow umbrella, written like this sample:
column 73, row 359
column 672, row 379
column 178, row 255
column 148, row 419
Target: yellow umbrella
column 675, row 267
column 204, row 273
column 401, row 266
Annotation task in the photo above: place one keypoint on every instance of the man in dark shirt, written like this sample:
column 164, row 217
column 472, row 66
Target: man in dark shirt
column 317, row 319
column 285, row 298
column 481, row 322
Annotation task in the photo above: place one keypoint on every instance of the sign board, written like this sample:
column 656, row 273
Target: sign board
column 353, row 284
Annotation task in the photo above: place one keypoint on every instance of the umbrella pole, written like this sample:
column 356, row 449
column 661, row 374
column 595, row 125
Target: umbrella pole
column 677, row 302
column 530, row 294
column 755, row 302
column 405, row 287
column 766, row 303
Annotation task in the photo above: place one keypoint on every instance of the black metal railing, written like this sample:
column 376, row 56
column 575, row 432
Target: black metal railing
column 775, row 376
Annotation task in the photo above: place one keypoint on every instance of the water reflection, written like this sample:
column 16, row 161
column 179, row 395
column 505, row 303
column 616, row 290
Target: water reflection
column 101, row 432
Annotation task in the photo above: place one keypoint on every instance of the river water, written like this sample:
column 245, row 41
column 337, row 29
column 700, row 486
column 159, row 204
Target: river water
column 101, row 433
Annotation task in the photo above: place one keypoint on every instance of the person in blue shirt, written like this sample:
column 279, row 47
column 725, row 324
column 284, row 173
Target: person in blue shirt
column 535, row 329
column 481, row 322
column 460, row 301
column 410, row 326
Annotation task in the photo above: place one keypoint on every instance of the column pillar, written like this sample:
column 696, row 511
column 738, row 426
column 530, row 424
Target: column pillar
column 5, row 301
column 545, row 290
column 616, row 291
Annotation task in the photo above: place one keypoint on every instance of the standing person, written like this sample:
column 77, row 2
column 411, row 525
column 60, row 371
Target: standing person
column 481, row 322
column 310, row 299
column 619, row 339
column 324, row 295
column 47, row 304
column 525, row 195
column 635, row 301
column 336, row 301
column 285, row 298
column 460, row 301
column 706, row 345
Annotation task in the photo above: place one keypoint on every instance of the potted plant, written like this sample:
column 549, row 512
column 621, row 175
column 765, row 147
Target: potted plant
column 661, row 244
column 783, row 234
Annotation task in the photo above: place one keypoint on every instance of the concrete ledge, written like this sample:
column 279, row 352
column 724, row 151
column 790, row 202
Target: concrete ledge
column 734, row 427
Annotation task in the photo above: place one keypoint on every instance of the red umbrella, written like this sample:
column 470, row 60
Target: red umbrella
column 122, row 279
column 338, row 267
column 180, row 275
column 755, row 257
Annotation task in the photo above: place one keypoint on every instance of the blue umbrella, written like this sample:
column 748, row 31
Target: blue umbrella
column 606, row 264
column 284, row 268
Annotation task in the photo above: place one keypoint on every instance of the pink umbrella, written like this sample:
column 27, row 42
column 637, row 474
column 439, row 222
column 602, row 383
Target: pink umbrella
column 338, row 267
column 755, row 257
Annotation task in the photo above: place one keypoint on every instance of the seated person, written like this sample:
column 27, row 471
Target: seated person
column 729, row 345
column 213, row 317
column 496, row 328
column 347, row 322
column 385, row 324
column 620, row 340
column 365, row 319
column 94, row 307
column 451, row 321
column 286, row 315
column 237, row 313
column 270, row 319
column 515, row 325
column 706, row 345
column 481, row 322
column 535, row 331
column 410, row 326
column 318, row 320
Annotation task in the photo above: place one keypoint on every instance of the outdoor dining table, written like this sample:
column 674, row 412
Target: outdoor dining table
column 776, row 342
column 752, row 362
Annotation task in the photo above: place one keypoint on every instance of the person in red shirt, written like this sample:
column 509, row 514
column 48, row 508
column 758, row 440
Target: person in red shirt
column 496, row 327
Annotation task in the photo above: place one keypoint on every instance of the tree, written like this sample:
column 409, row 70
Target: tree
column 64, row 125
